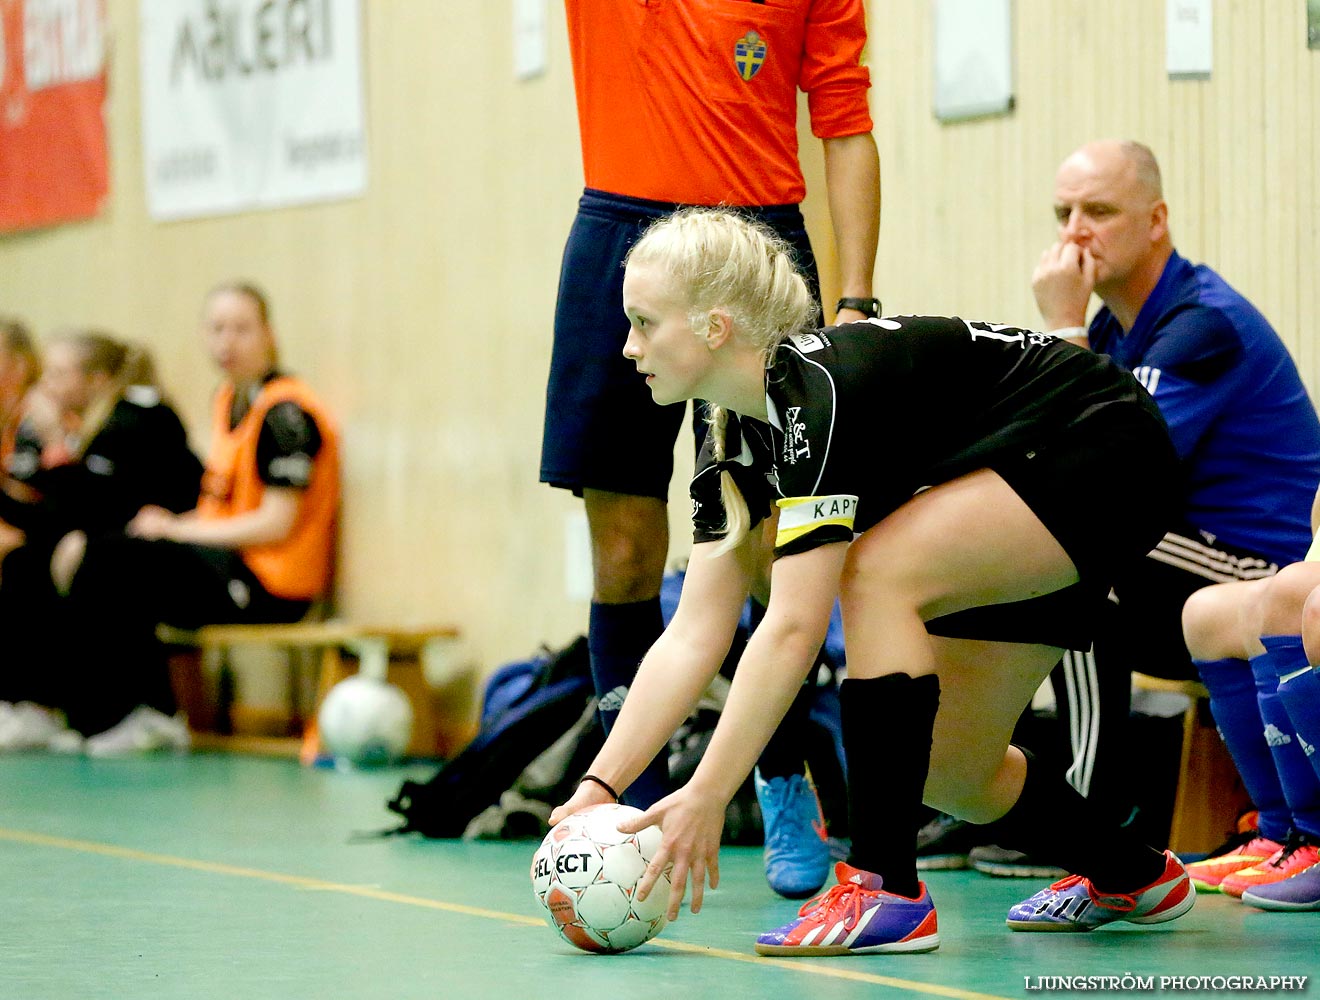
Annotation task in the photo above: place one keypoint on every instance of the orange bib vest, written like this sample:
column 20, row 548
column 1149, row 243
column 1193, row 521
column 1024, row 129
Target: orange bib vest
column 297, row 568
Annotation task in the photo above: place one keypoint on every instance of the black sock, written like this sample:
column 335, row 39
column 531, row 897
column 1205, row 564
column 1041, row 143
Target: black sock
column 783, row 755
column 1053, row 822
column 887, row 727
column 618, row 636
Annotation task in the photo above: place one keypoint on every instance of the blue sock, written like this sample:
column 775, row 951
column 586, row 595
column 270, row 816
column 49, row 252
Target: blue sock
column 618, row 636
column 1299, row 690
column 1237, row 714
column 1301, row 787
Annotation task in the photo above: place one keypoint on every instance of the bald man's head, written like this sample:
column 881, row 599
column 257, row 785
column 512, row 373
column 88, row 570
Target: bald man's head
column 1109, row 200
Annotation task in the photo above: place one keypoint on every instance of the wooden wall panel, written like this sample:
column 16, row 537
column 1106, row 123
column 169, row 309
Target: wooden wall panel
column 422, row 310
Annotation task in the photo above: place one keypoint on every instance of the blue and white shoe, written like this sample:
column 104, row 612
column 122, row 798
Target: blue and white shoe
column 856, row 917
column 797, row 847
column 1074, row 904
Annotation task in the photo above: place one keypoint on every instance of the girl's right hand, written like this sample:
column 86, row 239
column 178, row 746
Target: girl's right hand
column 588, row 794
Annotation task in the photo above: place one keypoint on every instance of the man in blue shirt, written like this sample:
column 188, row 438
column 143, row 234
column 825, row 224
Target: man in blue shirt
column 1239, row 414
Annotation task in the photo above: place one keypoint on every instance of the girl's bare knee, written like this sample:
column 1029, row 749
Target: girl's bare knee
column 960, row 794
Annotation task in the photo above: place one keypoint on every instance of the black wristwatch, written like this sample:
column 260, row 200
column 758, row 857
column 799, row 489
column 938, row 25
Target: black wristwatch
column 870, row 307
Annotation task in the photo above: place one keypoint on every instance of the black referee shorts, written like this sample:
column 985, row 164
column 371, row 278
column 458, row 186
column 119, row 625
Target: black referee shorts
column 602, row 428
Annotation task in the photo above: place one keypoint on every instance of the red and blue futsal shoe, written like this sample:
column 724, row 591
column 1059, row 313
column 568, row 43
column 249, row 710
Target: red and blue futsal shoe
column 1074, row 904
column 856, row 917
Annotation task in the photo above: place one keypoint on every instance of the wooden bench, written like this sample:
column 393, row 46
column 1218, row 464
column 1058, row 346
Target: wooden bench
column 1210, row 794
column 416, row 658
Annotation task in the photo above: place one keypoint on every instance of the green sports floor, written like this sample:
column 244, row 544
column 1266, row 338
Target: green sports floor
column 215, row 875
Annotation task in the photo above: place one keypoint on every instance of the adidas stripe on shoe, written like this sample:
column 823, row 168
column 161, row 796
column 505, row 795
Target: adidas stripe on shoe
column 1074, row 904
column 856, row 917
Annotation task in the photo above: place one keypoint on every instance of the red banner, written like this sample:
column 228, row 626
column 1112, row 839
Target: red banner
column 52, row 93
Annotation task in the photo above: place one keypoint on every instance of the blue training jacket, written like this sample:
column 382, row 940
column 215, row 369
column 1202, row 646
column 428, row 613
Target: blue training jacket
column 1237, row 409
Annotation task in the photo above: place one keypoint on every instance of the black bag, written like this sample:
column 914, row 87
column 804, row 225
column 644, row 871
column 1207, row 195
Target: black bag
column 523, row 811
column 535, row 744
column 475, row 779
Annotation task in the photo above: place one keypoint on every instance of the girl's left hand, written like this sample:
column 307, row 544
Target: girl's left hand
column 691, row 823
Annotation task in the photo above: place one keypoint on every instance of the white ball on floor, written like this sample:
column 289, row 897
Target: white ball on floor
column 585, row 874
column 365, row 721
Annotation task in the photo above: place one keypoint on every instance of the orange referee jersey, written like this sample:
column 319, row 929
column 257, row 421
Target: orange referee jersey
column 297, row 568
column 695, row 101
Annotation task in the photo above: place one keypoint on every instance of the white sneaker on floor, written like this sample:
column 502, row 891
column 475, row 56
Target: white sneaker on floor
column 27, row 726
column 142, row 730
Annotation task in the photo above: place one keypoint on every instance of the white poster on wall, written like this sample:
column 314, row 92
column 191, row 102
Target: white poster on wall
column 1189, row 38
column 973, row 62
column 250, row 104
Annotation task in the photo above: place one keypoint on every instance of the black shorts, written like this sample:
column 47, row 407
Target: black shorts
column 1107, row 489
column 1143, row 630
column 602, row 429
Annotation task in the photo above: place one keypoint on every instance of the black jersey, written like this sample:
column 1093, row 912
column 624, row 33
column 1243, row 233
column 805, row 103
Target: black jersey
column 140, row 456
column 748, row 457
column 288, row 442
column 863, row 416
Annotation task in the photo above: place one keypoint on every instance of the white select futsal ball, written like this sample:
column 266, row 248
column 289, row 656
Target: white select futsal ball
column 365, row 721
column 585, row 874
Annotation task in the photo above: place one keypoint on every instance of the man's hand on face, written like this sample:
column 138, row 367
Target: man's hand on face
column 1062, row 283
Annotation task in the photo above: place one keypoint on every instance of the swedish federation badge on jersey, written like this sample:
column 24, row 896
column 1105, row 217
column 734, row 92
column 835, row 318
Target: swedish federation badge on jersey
column 749, row 54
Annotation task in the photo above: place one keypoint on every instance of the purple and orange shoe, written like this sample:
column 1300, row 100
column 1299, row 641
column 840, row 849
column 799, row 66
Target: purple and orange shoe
column 856, row 917
column 1074, row 904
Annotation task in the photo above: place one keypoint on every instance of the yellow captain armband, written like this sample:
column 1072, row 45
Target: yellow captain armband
column 1313, row 553
column 800, row 515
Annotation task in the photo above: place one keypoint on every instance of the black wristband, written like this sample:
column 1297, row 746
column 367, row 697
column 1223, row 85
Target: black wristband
column 603, row 784
column 870, row 307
